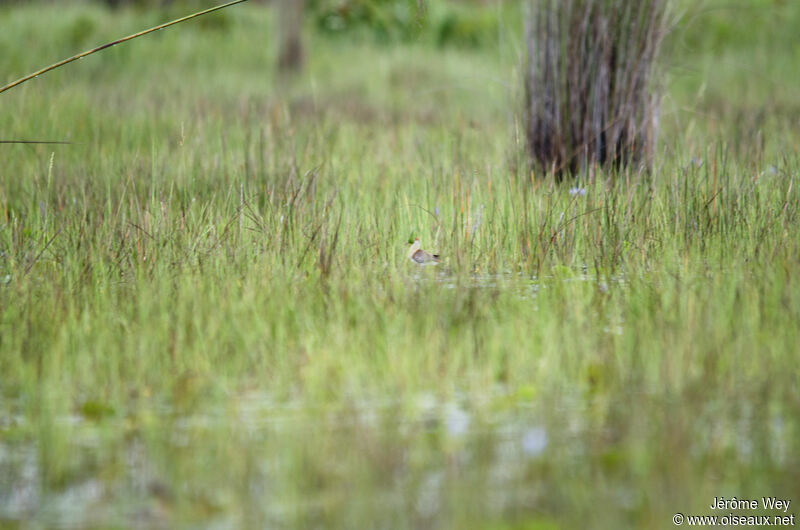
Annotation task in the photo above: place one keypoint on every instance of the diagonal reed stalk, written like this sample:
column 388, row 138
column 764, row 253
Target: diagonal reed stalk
column 114, row 43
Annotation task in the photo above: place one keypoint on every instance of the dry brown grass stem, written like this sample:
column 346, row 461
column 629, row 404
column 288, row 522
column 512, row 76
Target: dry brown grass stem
column 68, row 60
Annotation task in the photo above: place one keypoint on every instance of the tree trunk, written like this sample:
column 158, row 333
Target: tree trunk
column 591, row 92
column 290, row 46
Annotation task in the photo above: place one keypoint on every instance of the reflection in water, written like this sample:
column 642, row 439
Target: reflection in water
column 455, row 463
column 422, row 449
column 534, row 441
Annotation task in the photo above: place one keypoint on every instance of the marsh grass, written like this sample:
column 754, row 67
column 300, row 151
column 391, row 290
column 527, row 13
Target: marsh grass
column 208, row 316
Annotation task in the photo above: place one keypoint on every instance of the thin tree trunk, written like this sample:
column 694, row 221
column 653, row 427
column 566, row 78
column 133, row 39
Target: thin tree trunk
column 291, row 54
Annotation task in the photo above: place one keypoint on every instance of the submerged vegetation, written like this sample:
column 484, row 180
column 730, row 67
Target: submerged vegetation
column 208, row 316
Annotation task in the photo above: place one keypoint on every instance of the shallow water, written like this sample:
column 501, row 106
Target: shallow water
column 503, row 461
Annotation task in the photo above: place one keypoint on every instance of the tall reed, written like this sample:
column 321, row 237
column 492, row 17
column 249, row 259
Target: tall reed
column 591, row 91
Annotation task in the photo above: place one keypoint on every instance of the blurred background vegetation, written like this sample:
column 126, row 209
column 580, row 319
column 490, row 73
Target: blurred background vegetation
column 709, row 47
